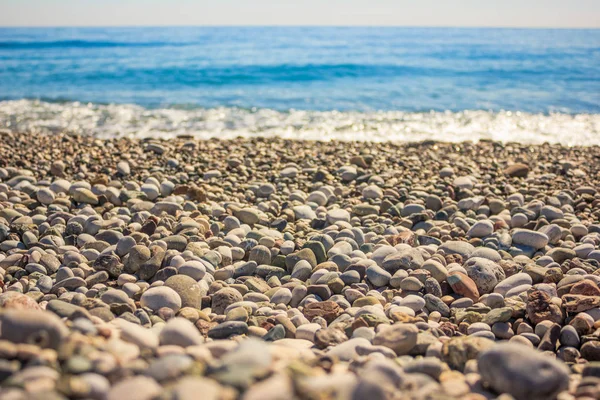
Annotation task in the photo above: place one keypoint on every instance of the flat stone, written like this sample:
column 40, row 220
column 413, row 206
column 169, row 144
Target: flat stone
column 534, row 239
column 512, row 282
column 518, row 170
column 248, row 216
column 463, row 249
column 227, row 329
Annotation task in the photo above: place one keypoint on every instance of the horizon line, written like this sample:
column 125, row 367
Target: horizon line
column 303, row 26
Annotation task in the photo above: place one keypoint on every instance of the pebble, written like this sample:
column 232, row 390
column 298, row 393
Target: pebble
column 137, row 334
column 158, row 297
column 401, row 338
column 135, row 388
column 485, row 273
column 481, row 229
column 180, row 332
column 521, row 372
column 255, row 268
column 533, row 239
column 33, row 327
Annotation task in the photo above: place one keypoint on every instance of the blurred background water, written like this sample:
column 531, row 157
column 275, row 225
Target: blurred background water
column 286, row 79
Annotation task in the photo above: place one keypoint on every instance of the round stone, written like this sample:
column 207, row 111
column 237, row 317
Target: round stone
column 158, row 297
column 194, row 269
column 45, row 196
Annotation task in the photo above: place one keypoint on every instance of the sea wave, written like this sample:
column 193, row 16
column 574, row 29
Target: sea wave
column 127, row 120
column 82, row 44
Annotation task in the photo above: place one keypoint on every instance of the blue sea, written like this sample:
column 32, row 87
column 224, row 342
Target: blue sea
column 304, row 82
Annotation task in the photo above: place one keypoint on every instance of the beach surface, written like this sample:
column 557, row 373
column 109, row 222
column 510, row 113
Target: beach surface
column 266, row 268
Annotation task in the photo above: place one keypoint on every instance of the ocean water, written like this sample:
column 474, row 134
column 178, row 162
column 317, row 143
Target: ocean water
column 529, row 85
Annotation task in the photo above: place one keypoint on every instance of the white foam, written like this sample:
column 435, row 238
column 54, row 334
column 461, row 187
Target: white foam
column 107, row 121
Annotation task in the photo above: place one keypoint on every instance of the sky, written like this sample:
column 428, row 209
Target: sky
column 468, row 13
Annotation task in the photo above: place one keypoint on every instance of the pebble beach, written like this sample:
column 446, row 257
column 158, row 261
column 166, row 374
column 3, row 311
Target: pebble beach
column 265, row 268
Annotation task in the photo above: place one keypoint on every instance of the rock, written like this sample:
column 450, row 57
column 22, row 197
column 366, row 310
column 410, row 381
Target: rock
column 17, row 301
column 86, row 196
column 136, row 334
column 399, row 337
column 551, row 213
column 304, row 212
column 227, row 329
column 541, row 308
column 463, row 285
column 45, row 196
column 188, row 388
column 326, row 337
column 180, row 332
column 194, row 269
column 372, row 192
column 337, row 215
column 248, row 216
column 261, row 268
column 517, row 170
column 485, row 273
column 378, row 276
column 223, row 299
column 481, row 229
column 498, row 315
column 403, row 259
column 522, row 372
column 434, row 303
column 282, row 296
column 512, row 282
column 457, row 351
column 327, row 310
column 159, row 297
column 591, row 350
column 436, row 269
column 347, row 351
column 463, row 182
column 40, row 328
column 289, row 172
column 585, row 287
column 536, row 240
column 305, row 254
column 464, row 249
column 569, row 337
column 135, row 388
column 189, row 291
column 123, row 168
column 260, row 255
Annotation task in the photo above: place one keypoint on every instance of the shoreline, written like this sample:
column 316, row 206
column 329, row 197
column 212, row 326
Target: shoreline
column 259, row 268
column 127, row 120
